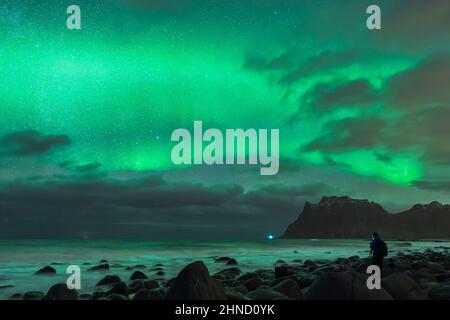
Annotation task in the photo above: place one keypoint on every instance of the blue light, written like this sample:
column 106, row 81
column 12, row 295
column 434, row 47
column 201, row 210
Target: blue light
column 270, row 237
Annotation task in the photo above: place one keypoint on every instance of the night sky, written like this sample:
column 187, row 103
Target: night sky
column 86, row 115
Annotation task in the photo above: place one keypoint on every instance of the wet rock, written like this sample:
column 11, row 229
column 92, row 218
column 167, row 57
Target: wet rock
column 119, row 288
column 138, row 275
column 195, row 283
column 140, row 284
column 253, row 284
column 103, row 261
column 155, row 269
column 160, row 273
column 343, row 286
column 33, row 295
column 100, row 267
column 441, row 292
column 265, row 293
column 401, row 287
column 116, row 297
column 46, row 271
column 85, row 296
column 222, row 259
column 305, row 279
column 60, row 291
column 139, row 266
column 233, row 294
column 230, row 282
column 15, row 296
column 247, row 276
column 231, row 262
column 441, row 277
column 289, row 288
column 283, row 271
column 108, row 280
column 146, row 294
column 241, row 289
column 230, row 273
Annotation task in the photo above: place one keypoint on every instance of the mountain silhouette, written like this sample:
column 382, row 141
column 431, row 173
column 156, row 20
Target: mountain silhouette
column 347, row 218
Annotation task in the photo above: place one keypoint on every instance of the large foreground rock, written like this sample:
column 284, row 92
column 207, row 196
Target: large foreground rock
column 195, row 283
column 401, row 287
column 343, row 286
column 60, row 291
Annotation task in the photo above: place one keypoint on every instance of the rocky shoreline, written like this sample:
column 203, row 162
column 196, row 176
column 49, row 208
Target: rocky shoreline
column 409, row 275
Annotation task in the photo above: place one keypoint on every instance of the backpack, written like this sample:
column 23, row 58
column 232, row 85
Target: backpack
column 382, row 248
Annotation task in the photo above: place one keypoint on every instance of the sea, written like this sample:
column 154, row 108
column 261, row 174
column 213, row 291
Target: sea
column 19, row 259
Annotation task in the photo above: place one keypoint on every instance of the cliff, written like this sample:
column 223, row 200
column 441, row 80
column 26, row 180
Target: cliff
column 347, row 218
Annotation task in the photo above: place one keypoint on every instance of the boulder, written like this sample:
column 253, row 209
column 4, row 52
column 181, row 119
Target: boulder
column 252, row 284
column 283, row 271
column 248, row 275
column 230, row 273
column 60, row 291
column 289, row 288
column 116, row 297
column 108, row 280
column 343, row 286
column 46, row 270
column 100, row 267
column 265, row 293
column 146, row 294
column 85, row 296
column 33, row 295
column 119, row 288
column 195, row 283
column 231, row 262
column 401, row 287
column 441, row 292
column 138, row 275
column 15, row 296
column 233, row 294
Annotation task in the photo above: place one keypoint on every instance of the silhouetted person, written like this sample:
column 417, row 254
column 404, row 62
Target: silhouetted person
column 378, row 250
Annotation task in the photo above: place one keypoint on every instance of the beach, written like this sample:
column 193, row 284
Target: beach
column 260, row 270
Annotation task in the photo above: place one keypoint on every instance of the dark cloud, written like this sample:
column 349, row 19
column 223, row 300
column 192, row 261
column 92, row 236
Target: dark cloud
column 352, row 133
column 433, row 185
column 324, row 61
column 326, row 96
column 414, row 24
column 147, row 208
column 424, row 86
column 258, row 63
column 31, row 143
column 88, row 167
column 419, row 96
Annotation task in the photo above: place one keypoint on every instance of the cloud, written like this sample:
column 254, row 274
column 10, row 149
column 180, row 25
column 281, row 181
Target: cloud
column 419, row 98
column 433, row 185
column 423, row 86
column 146, row 208
column 351, row 133
column 324, row 97
column 31, row 143
column 323, row 61
column 415, row 24
column 84, row 167
column 261, row 64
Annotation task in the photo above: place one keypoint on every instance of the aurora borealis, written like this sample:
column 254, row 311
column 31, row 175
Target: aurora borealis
column 86, row 115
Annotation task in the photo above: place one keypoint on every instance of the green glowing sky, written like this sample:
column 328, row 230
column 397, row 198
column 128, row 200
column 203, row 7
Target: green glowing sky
column 348, row 102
